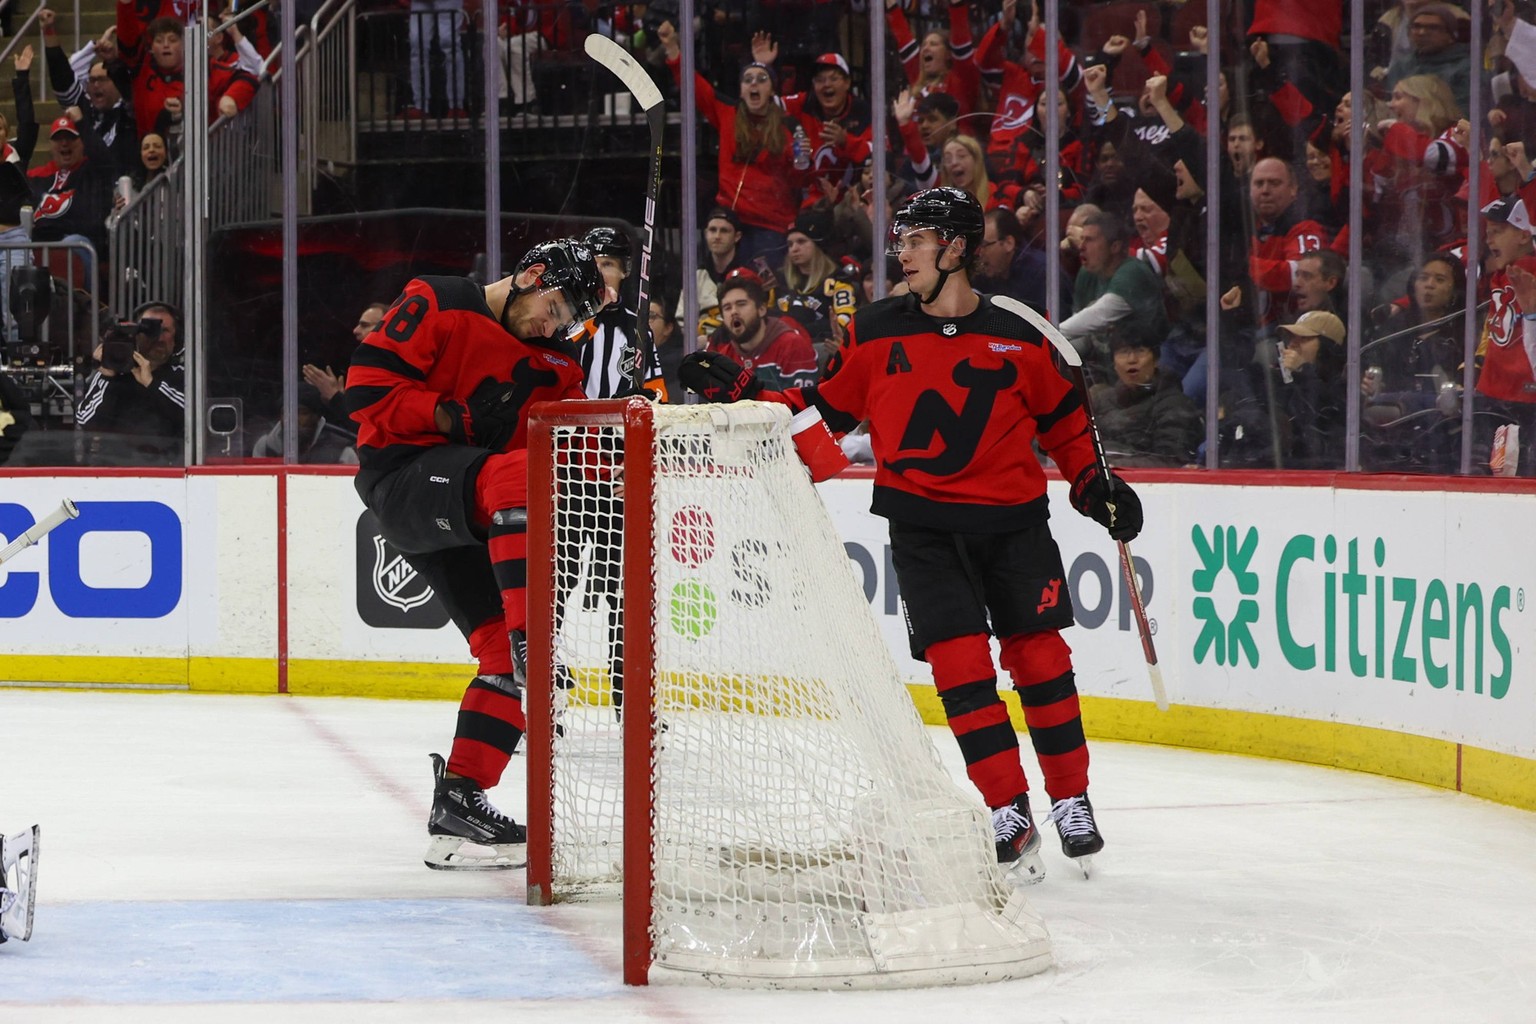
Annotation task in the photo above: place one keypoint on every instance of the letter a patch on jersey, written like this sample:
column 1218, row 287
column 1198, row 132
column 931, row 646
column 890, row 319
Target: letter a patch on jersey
column 897, row 361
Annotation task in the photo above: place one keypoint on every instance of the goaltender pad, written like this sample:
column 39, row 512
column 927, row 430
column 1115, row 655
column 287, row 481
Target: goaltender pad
column 766, row 802
column 18, row 882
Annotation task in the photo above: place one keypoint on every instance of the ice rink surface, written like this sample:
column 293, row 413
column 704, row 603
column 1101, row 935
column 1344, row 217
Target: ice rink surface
column 221, row 858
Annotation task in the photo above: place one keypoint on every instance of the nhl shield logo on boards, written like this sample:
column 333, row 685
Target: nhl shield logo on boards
column 950, row 330
column 391, row 594
column 394, row 580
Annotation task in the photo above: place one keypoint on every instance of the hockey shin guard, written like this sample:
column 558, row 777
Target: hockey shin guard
column 490, row 724
column 967, row 685
column 508, row 544
column 1041, row 667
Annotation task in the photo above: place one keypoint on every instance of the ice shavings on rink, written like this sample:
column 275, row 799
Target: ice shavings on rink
column 268, row 951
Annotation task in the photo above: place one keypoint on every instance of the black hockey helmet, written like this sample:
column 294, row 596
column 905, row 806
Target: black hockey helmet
column 605, row 241
column 569, row 266
column 952, row 212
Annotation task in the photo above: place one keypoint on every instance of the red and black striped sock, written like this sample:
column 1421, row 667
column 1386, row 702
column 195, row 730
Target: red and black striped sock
column 490, row 718
column 1041, row 667
column 508, row 544
column 967, row 685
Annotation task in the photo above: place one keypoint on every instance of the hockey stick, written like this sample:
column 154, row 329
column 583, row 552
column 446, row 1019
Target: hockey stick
column 66, row 510
column 1073, row 359
column 635, row 363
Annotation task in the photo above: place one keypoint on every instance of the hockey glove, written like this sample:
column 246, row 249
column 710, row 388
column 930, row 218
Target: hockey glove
column 717, row 378
column 488, row 418
column 1108, row 501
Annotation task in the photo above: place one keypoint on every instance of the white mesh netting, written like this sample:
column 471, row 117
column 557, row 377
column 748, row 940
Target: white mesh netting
column 805, row 830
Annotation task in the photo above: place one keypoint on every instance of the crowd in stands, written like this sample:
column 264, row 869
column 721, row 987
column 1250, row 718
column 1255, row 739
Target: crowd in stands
column 787, row 249
column 788, row 225
column 115, row 116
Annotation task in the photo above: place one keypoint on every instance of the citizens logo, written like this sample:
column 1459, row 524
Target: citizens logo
column 1346, row 606
column 1231, row 638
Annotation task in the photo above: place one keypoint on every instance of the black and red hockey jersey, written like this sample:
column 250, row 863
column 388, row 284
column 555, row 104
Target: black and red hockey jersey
column 439, row 341
column 954, row 407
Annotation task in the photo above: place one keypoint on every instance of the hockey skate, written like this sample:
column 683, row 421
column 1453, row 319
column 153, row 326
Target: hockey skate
column 1080, row 838
column 466, row 832
column 1018, row 842
column 18, row 883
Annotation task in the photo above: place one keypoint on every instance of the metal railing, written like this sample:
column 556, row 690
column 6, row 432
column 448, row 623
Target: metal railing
column 49, row 362
column 145, row 246
column 146, row 239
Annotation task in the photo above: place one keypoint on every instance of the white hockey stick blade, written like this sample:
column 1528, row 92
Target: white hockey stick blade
column 41, row 529
column 623, row 64
column 1068, row 351
column 19, row 852
column 1159, row 693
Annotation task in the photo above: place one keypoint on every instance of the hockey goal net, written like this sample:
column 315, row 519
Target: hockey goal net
column 718, row 734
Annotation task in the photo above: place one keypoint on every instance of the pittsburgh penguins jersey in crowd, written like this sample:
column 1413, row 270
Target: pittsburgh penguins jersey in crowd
column 439, row 340
column 609, row 335
column 954, row 406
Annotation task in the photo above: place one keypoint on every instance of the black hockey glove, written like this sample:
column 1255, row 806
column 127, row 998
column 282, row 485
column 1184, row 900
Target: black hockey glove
column 1108, row 501
column 488, row 418
column 717, row 378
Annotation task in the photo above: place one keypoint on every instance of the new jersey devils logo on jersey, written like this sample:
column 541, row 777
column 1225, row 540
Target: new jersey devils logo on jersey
column 1014, row 114
column 55, row 204
column 1501, row 314
column 959, row 433
column 825, row 157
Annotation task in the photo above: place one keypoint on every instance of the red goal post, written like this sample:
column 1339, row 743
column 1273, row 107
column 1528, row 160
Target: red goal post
column 717, row 732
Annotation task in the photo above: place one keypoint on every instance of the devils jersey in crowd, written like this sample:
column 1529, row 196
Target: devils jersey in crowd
column 439, row 341
column 1509, row 346
column 75, row 200
column 954, row 405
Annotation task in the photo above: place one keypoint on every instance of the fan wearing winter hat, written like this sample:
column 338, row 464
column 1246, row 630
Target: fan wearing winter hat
column 813, row 293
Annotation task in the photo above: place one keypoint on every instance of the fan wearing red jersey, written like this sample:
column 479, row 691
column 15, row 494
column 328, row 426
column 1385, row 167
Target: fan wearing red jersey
column 439, row 391
column 955, row 390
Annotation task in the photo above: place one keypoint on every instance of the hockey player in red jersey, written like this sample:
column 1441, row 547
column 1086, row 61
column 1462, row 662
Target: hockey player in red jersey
column 956, row 390
column 439, row 391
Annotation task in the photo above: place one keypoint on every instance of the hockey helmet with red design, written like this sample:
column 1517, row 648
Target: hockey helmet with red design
column 614, row 242
column 569, row 266
column 952, row 212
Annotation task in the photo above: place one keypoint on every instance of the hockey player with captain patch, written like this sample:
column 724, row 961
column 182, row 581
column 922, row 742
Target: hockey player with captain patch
column 955, row 390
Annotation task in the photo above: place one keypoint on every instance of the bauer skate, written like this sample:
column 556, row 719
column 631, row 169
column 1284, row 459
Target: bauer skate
column 18, row 883
column 1018, row 842
column 1080, row 838
column 466, row 832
